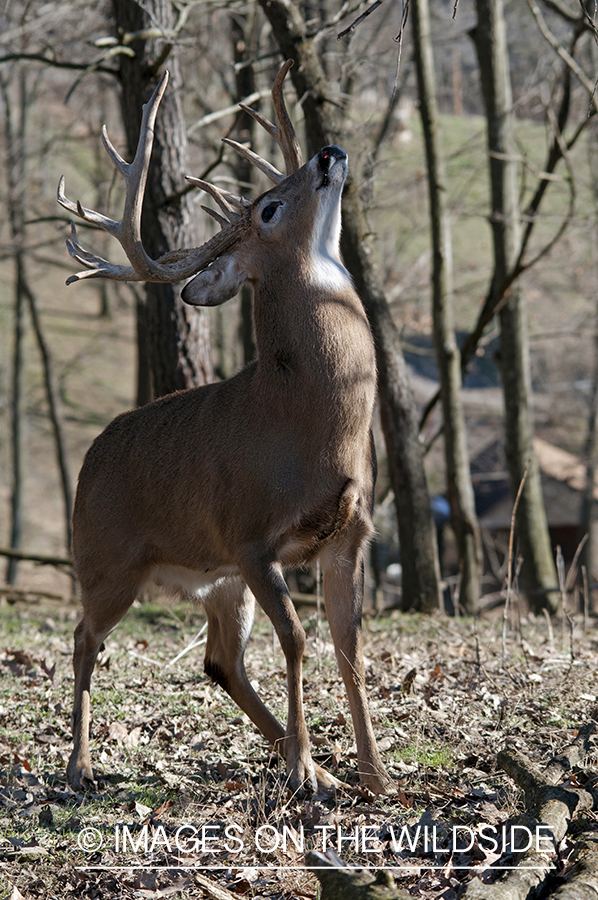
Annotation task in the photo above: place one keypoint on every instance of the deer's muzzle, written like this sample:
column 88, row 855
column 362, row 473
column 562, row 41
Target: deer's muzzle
column 327, row 158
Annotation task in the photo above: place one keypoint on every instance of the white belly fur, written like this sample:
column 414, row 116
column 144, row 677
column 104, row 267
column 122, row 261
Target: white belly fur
column 177, row 579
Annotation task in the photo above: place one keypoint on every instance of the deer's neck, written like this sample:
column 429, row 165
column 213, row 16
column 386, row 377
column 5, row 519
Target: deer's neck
column 314, row 339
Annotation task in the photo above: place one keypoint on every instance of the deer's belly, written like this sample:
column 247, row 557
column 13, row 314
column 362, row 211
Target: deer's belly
column 190, row 582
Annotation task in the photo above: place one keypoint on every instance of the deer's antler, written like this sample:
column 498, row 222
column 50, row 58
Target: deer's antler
column 283, row 133
column 180, row 264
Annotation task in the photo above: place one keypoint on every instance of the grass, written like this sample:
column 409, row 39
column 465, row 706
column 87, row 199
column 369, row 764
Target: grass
column 194, row 758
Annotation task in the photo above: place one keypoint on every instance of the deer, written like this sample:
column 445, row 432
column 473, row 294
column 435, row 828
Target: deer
column 212, row 492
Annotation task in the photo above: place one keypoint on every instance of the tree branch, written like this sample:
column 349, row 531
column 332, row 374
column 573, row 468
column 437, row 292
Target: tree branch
column 61, row 64
column 565, row 56
column 42, row 558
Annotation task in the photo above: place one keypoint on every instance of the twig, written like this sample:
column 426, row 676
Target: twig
column 318, row 618
column 560, row 568
column 229, row 110
column 572, row 576
column 565, row 56
column 57, row 63
column 399, row 37
column 549, row 626
column 510, row 564
column 145, row 659
column 196, row 642
column 586, row 600
column 359, row 20
column 563, row 11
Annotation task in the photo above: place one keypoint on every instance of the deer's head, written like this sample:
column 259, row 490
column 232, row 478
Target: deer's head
column 295, row 223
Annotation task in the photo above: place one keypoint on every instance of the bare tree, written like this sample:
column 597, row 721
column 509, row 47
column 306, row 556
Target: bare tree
column 244, row 41
column 18, row 91
column 590, row 455
column 323, row 120
column 458, row 476
column 538, row 571
column 178, row 337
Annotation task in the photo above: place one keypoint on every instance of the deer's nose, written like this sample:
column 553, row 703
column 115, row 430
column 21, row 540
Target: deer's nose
column 329, row 155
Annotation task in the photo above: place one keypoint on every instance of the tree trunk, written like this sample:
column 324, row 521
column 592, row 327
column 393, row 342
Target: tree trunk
column 52, row 394
column 538, row 571
column 178, row 335
column 458, row 475
column 15, row 134
column 323, row 121
column 590, row 457
column 16, row 438
column 17, row 181
column 244, row 50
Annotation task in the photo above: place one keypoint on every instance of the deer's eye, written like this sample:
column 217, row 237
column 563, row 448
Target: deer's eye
column 269, row 211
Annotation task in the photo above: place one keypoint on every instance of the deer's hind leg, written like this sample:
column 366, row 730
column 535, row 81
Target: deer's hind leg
column 342, row 567
column 230, row 607
column 103, row 608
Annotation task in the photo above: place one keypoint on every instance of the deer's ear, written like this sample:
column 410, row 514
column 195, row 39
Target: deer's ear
column 215, row 285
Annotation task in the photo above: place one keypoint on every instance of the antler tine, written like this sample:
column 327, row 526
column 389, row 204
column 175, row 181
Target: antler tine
column 88, row 215
column 266, row 167
column 287, row 138
column 136, row 178
column 283, row 133
column 212, row 212
column 175, row 265
column 96, row 267
column 227, row 202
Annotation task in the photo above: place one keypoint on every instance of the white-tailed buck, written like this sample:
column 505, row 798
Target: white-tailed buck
column 213, row 491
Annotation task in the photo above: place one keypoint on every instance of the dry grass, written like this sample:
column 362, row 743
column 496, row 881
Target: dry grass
column 171, row 750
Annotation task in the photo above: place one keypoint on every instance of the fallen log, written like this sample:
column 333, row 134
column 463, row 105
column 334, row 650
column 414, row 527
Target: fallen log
column 42, row 558
column 339, row 882
column 210, row 888
column 571, row 755
column 582, row 883
column 549, row 806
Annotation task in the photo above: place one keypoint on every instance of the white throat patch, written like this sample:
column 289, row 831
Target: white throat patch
column 327, row 271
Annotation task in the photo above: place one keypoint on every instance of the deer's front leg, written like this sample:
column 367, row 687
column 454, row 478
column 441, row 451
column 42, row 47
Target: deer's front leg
column 266, row 581
column 343, row 594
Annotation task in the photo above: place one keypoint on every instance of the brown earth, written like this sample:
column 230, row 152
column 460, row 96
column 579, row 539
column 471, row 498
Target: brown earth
column 172, row 752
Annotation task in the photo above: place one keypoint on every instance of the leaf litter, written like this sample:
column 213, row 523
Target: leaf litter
column 191, row 800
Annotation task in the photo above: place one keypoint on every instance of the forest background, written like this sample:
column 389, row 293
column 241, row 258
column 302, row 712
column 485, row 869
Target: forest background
column 472, row 209
column 61, row 67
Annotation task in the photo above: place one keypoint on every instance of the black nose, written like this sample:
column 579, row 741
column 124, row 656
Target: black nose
column 328, row 155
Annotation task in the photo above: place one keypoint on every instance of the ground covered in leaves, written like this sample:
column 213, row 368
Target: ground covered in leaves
column 190, row 801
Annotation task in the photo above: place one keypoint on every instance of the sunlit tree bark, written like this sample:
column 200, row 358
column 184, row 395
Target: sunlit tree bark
column 458, row 476
column 538, row 571
column 323, row 120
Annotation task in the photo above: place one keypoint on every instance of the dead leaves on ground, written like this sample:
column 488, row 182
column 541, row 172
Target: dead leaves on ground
column 171, row 749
